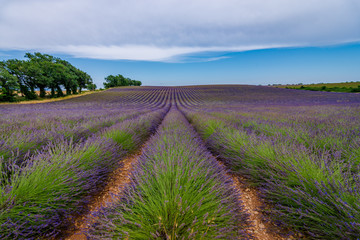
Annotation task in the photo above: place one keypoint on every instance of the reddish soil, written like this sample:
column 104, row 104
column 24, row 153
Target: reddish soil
column 261, row 227
column 111, row 193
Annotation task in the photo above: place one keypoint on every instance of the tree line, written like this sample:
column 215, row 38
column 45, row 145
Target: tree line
column 43, row 72
column 120, row 80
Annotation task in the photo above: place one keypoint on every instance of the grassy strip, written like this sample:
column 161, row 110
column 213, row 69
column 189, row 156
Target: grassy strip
column 313, row 193
column 178, row 191
column 42, row 196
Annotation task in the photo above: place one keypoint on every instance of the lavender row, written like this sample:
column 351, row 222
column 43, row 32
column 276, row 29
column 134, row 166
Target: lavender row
column 38, row 132
column 27, row 128
column 314, row 191
column 42, row 197
column 317, row 194
column 178, row 191
column 328, row 128
column 19, row 147
column 39, row 197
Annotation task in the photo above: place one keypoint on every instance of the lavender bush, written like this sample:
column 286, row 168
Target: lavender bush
column 300, row 148
column 42, row 194
column 178, row 191
column 301, row 157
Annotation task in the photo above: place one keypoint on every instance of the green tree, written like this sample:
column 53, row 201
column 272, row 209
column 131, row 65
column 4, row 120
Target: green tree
column 8, row 84
column 110, row 81
column 43, row 71
column 18, row 68
column 83, row 79
column 39, row 68
column 69, row 77
column 91, row 86
column 119, row 80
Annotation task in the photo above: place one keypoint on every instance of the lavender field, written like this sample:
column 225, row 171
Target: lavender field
column 300, row 150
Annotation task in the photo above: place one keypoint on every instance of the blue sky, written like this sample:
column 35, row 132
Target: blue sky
column 172, row 42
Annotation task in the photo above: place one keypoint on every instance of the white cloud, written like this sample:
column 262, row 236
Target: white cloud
column 160, row 30
column 146, row 53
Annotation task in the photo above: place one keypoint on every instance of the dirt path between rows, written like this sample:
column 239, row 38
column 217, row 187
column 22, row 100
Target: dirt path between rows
column 262, row 227
column 111, row 193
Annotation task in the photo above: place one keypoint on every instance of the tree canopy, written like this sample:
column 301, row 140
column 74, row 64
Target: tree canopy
column 42, row 72
column 120, row 80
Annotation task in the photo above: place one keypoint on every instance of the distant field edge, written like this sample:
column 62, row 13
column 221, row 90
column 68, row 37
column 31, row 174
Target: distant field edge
column 350, row 87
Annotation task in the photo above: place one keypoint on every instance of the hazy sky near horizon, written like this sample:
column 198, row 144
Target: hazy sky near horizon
column 190, row 37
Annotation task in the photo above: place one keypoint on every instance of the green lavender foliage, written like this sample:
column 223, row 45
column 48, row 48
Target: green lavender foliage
column 315, row 193
column 178, row 191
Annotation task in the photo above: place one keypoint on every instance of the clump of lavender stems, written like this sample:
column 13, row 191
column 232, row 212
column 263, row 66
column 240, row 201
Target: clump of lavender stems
column 178, row 191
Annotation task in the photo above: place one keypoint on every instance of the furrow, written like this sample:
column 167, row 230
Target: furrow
column 260, row 226
column 109, row 195
column 177, row 191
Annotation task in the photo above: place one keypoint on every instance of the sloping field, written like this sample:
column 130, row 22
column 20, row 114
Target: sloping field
column 298, row 152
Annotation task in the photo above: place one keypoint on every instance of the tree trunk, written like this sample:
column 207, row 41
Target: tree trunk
column 74, row 90
column 52, row 92
column 7, row 92
column 59, row 91
column 23, row 90
column 42, row 92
